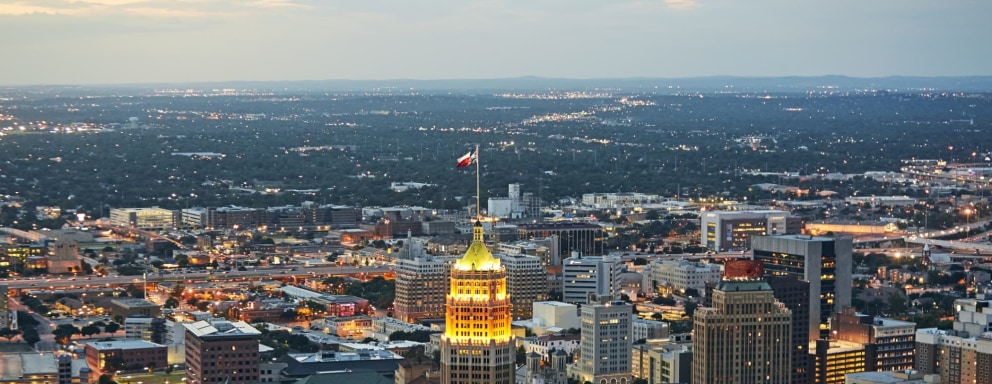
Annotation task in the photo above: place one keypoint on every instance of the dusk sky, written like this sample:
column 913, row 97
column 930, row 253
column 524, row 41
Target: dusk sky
column 141, row 41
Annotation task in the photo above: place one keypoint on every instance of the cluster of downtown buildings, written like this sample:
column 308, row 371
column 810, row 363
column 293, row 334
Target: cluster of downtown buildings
column 783, row 316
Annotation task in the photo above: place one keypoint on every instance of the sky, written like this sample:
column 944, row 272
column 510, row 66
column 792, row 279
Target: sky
column 172, row 41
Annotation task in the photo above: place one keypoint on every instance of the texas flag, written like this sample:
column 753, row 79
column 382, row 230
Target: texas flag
column 467, row 159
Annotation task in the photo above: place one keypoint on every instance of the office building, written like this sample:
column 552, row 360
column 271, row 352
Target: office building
column 585, row 238
column 221, row 351
column 648, row 329
column 889, row 343
column 794, row 294
column 662, row 361
column 421, row 284
column 604, row 357
column 582, row 275
column 526, row 283
column 724, row 231
column 144, row 218
column 677, row 276
column 833, row 359
column 744, row 337
column 822, row 261
column 477, row 345
column 152, row 329
column 129, row 307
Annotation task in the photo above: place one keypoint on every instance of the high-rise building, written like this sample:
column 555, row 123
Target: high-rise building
column 744, row 337
column 962, row 354
column 477, row 345
column 604, row 356
column 724, row 231
column 526, row 282
column 421, row 283
column 221, row 351
column 795, row 295
column 822, row 261
column 582, row 275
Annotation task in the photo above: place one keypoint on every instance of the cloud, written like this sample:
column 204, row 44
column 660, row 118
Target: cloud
column 109, row 3
column 278, row 4
column 681, row 4
column 21, row 9
column 164, row 12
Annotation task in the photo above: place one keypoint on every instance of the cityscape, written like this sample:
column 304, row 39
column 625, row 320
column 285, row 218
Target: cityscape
column 495, row 192
column 199, row 263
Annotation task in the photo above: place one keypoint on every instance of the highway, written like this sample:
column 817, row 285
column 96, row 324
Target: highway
column 281, row 272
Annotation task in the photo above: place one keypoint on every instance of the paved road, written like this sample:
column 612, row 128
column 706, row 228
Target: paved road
column 299, row 272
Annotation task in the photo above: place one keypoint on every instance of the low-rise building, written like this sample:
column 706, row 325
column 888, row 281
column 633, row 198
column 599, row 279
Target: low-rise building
column 125, row 356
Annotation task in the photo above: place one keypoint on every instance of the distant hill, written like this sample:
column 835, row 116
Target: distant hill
column 658, row 85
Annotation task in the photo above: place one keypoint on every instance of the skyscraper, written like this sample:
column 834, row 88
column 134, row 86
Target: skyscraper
column 477, row 346
column 605, row 345
column 744, row 337
column 795, row 295
column 824, row 262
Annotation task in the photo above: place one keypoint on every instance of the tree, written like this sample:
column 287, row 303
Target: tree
column 90, row 330
column 112, row 328
column 30, row 336
column 897, row 304
column 9, row 334
column 171, row 302
column 64, row 332
column 639, row 381
column 106, row 379
column 521, row 355
column 690, row 308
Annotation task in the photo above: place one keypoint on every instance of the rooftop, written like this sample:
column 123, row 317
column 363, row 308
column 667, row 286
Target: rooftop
column 16, row 366
column 220, row 328
column 122, row 344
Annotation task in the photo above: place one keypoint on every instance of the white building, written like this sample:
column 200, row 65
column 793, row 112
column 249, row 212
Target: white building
column 679, row 275
column 648, row 329
column 556, row 314
column 582, row 275
column 605, row 351
column 546, row 344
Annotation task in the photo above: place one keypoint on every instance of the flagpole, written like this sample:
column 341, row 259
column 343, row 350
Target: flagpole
column 478, row 186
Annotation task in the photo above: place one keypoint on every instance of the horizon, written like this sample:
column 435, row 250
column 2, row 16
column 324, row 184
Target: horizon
column 112, row 42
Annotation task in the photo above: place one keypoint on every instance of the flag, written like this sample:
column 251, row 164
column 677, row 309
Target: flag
column 467, row 159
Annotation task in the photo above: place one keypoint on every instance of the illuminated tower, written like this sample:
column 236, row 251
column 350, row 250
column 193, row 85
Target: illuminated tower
column 477, row 346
